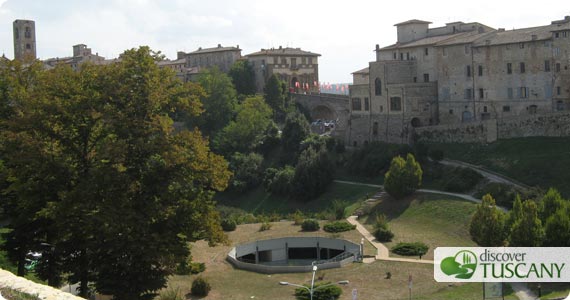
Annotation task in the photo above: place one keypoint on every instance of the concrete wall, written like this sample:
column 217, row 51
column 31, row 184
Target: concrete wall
column 21, row 284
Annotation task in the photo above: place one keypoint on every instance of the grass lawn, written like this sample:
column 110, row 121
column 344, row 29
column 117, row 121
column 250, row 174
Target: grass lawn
column 368, row 279
column 259, row 201
column 435, row 220
column 541, row 161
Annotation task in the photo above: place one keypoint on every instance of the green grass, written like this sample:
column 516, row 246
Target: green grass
column 10, row 294
column 540, row 161
column 435, row 220
column 259, row 201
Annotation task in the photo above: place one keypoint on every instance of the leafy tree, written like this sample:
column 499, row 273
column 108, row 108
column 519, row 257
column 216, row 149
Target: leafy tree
column 557, row 229
column 220, row 103
column 276, row 96
column 279, row 181
column 247, row 171
column 296, row 130
column 329, row 292
column 514, row 214
column 403, row 177
column 313, row 173
column 243, row 77
column 528, row 230
column 247, row 131
column 550, row 204
column 487, row 227
column 101, row 178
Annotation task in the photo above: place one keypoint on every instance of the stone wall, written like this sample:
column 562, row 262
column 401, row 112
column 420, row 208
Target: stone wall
column 552, row 125
column 9, row 280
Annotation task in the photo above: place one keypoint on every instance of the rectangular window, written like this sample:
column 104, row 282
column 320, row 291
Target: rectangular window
column 480, row 71
column 401, row 56
column 510, row 93
column 293, row 62
column 558, row 91
column 395, row 104
column 303, row 60
column 28, row 33
column 310, row 60
column 395, row 55
column 521, row 45
column 275, row 60
column 509, row 68
column 356, row 104
column 468, row 94
column 481, row 93
column 506, row 108
column 283, row 61
column 546, row 66
column 522, row 67
column 556, row 35
column 407, row 55
column 366, row 104
column 557, row 67
column 468, row 71
column 564, row 34
column 426, row 52
column 523, row 92
column 426, row 77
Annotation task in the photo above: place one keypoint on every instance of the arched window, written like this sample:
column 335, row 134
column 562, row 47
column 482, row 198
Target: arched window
column 378, row 87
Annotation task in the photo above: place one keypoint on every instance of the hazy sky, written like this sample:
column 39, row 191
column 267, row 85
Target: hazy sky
column 344, row 32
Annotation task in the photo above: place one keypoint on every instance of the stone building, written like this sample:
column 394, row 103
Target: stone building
column 24, row 39
column 221, row 57
column 457, row 73
column 81, row 54
column 179, row 66
column 298, row 68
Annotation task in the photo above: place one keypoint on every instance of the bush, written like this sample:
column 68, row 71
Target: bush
column 462, row 179
column 504, row 194
column 228, row 225
column 200, row 287
column 297, row 217
column 338, row 208
column 265, row 226
column 197, row 267
column 338, row 226
column 404, row 177
column 381, row 231
column 331, row 292
column 171, row 294
column 310, row 225
column 410, row 249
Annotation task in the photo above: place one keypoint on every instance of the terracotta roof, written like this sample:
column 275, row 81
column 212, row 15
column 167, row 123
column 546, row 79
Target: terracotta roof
column 518, row 36
column 468, row 38
column 362, row 71
column 413, row 21
column 171, row 62
column 425, row 41
column 283, row 51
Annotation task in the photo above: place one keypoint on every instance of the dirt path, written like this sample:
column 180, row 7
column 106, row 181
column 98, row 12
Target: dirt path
column 490, row 175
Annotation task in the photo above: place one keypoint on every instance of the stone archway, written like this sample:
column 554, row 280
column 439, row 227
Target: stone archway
column 322, row 112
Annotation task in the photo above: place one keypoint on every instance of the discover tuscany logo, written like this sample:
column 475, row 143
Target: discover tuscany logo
column 502, row 264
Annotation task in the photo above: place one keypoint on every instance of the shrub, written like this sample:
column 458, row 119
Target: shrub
column 197, row 267
column 331, row 292
column 228, row 225
column 410, row 249
column 298, row 217
column 404, row 177
column 338, row 208
column 462, row 179
column 310, row 225
column 200, row 287
column 265, row 226
column 338, row 226
column 170, row 294
column 381, row 231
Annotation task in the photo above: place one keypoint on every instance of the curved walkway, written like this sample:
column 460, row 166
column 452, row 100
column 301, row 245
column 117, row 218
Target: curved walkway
column 490, row 175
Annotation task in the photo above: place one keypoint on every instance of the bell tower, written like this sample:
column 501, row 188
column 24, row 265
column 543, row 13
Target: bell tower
column 24, row 39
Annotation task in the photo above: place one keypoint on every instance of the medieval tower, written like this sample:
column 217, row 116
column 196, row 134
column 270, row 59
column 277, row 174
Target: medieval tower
column 24, row 39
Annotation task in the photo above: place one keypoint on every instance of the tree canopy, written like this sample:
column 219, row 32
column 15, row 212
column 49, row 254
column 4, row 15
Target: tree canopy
column 102, row 185
column 243, row 77
column 487, row 227
column 403, row 177
column 220, row 102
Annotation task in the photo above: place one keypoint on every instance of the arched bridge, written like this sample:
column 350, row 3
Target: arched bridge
column 327, row 107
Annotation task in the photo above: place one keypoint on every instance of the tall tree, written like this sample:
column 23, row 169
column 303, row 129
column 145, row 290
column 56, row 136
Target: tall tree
column 313, row 173
column 276, row 97
column 528, row 230
column 243, row 77
column 403, row 177
column 247, row 131
column 220, row 102
column 112, row 191
column 550, row 204
column 487, row 227
column 557, row 229
column 295, row 131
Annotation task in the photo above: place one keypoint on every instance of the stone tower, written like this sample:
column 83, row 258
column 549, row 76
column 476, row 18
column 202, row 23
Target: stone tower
column 24, row 39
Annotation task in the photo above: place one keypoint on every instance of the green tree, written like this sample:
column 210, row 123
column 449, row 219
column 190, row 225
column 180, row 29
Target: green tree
column 295, row 131
column 487, row 227
column 550, row 204
column 247, row 169
column 276, row 96
column 403, row 177
column 313, row 173
column 557, row 229
column 220, row 103
column 320, row 292
column 528, row 230
column 104, row 181
column 247, row 131
column 243, row 77
column 515, row 214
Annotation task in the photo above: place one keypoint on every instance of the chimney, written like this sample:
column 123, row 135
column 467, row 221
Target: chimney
column 237, row 46
column 377, row 47
column 219, row 45
column 280, row 47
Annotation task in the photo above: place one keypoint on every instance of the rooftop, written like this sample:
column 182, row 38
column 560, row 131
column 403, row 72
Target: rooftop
column 283, row 51
column 362, row 71
column 413, row 21
column 215, row 49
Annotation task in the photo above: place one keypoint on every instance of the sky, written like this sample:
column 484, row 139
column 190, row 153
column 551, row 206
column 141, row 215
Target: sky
column 343, row 32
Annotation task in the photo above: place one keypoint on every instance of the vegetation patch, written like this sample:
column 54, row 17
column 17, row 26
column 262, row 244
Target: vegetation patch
column 310, row 225
column 200, row 287
column 338, row 226
column 11, row 294
column 410, row 249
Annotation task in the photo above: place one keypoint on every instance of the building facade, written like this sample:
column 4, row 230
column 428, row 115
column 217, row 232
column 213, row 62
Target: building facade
column 221, row 57
column 298, row 68
column 24, row 39
column 459, row 73
column 81, row 54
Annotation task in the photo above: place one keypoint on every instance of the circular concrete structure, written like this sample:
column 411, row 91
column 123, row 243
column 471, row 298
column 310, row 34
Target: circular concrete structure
column 293, row 254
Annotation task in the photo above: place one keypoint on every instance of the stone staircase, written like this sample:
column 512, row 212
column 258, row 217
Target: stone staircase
column 371, row 202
